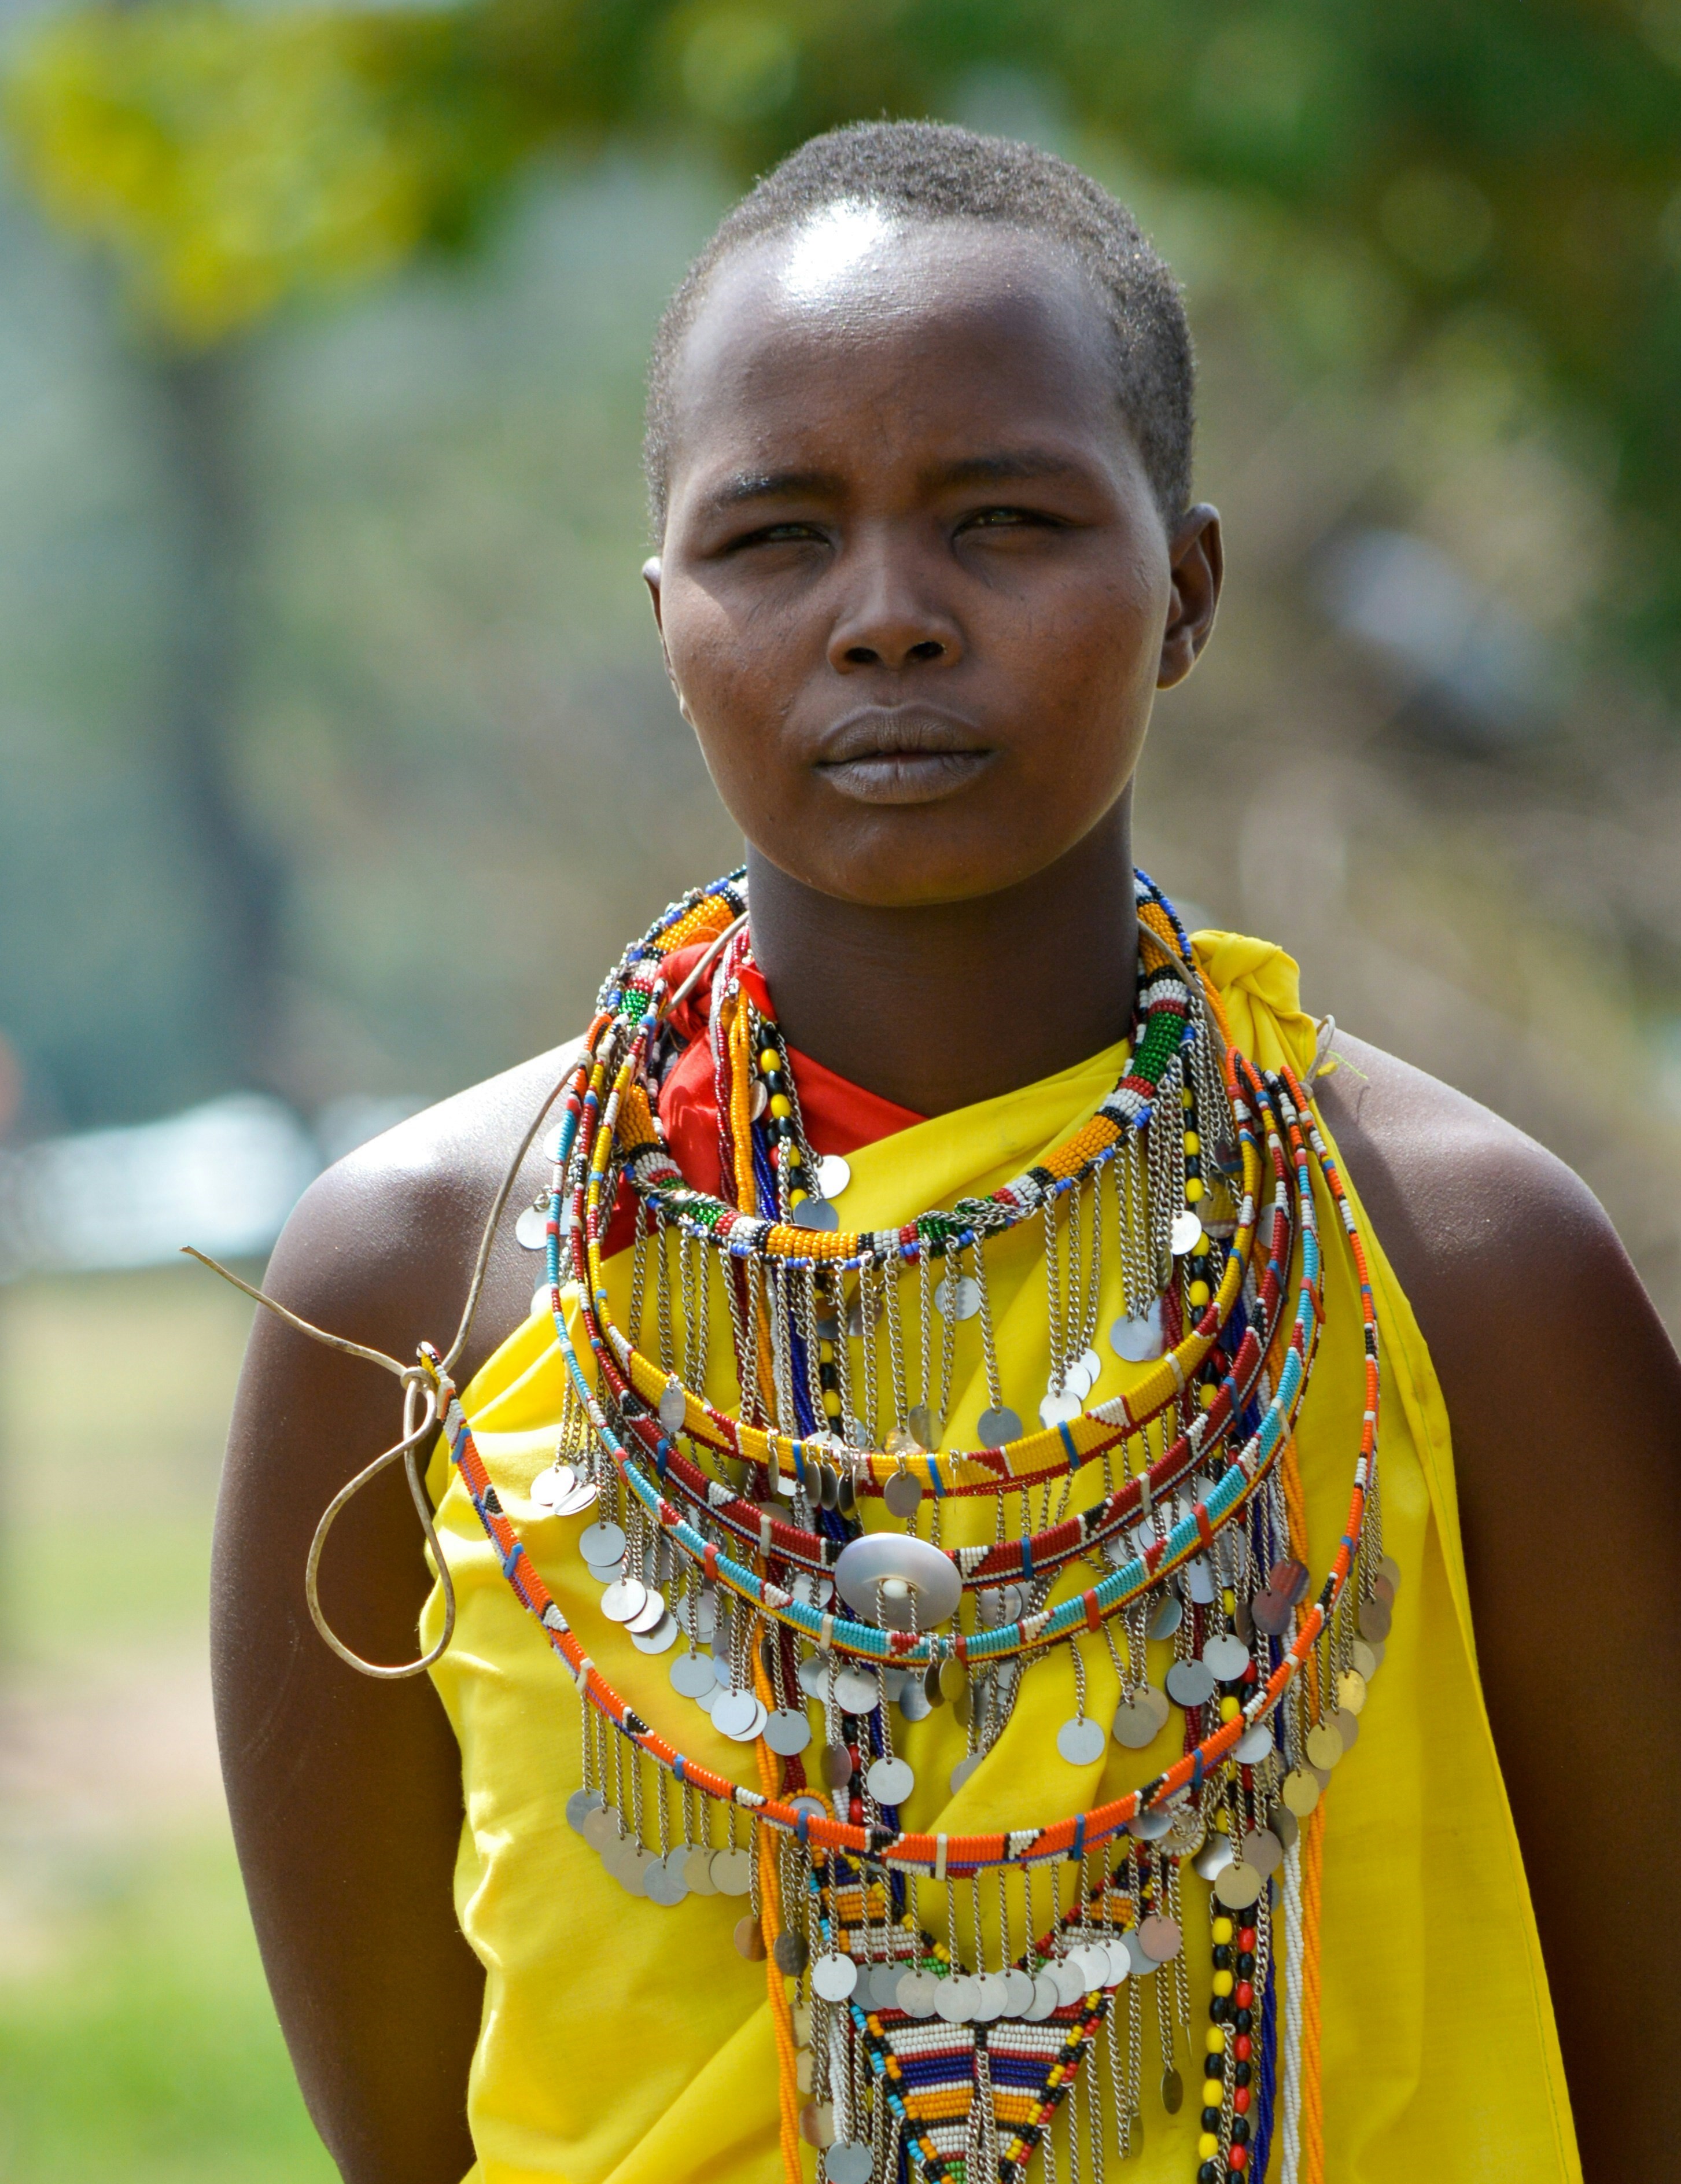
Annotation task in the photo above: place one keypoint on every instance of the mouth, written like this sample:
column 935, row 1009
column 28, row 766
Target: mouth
column 900, row 755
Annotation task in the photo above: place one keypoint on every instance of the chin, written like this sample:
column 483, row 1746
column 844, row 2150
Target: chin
column 917, row 874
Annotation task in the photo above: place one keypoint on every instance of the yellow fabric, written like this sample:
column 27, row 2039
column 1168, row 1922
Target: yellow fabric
column 625, row 2044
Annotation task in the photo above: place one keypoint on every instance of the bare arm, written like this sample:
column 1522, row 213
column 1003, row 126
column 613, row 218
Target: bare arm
column 345, row 1793
column 1565, row 1398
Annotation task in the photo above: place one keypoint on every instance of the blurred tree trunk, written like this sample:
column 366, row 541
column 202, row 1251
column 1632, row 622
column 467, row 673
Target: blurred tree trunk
column 207, row 656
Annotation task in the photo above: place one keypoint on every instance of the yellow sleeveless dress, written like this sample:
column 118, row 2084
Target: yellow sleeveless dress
column 626, row 2044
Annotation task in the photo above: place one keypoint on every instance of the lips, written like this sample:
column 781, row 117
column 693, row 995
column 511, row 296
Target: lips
column 894, row 754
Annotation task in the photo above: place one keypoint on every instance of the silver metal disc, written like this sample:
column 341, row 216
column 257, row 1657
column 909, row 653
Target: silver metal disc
column 1081, row 1741
column 661, row 1639
column 532, row 1228
column 857, row 1692
column 1047, row 1999
column 902, row 1494
column 1056, row 1410
column 1282, row 1822
column 600, row 1827
column 914, row 1702
column 919, row 1993
column 964, row 1769
column 891, row 1781
column 834, row 1173
column 867, row 1562
column 850, row 2162
column 732, row 1872
column 582, row 1497
column 652, row 1609
column 1019, row 1992
column 552, row 1482
column 834, row 1976
column 1159, row 1938
column 787, row 1732
column 1199, row 1581
column 1253, row 1745
column 1239, row 1886
column 1300, row 1793
column 812, row 1675
column 1071, row 1982
column 697, row 1870
column 992, row 1996
column 666, row 1883
column 1376, row 1615
column 1264, row 1851
column 1215, row 1856
column 958, row 1997
column 884, row 1980
column 1150, row 1826
column 708, row 1698
column 1139, row 1721
column 996, row 1428
column 961, row 1302
column 601, row 1542
column 1226, row 1659
column 1167, row 1617
column 691, row 1674
column 753, row 1727
column 1270, row 1613
column 1139, row 1339
column 815, row 1213
column 733, row 1711
column 1185, row 1233
column 624, row 1599
column 1189, row 1684
column 673, row 1407
column 579, row 1807
column 1324, row 1747
column 1366, row 1658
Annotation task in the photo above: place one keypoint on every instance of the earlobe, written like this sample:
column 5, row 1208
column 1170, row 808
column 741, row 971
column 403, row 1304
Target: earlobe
column 650, row 577
column 1197, row 561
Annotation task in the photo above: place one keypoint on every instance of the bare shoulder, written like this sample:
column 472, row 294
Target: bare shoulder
column 1461, row 1200
column 380, row 1247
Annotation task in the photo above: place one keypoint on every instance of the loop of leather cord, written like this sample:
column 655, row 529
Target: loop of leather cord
column 423, row 1384
column 419, row 1386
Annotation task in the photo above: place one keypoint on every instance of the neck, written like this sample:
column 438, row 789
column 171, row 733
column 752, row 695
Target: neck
column 946, row 1003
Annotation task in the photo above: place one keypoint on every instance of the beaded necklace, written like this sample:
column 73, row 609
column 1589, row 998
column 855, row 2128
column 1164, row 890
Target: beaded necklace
column 916, row 2040
column 908, row 2054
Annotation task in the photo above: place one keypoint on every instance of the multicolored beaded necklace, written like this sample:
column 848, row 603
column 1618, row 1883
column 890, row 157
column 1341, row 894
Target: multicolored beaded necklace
column 942, row 2003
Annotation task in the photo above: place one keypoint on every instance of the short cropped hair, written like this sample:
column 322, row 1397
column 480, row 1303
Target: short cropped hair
column 930, row 171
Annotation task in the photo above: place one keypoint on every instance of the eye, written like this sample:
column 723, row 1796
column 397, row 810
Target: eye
column 1007, row 519
column 781, row 534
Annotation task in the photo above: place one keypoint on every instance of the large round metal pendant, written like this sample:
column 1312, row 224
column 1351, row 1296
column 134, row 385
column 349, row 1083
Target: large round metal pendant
column 867, row 1566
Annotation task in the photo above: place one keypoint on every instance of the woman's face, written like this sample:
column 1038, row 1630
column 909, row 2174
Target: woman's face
column 914, row 592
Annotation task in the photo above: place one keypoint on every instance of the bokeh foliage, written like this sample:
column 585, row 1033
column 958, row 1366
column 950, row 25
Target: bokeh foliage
column 1523, row 156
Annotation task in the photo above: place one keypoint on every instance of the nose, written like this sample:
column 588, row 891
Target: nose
column 891, row 618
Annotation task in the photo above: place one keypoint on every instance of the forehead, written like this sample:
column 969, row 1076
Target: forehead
column 862, row 335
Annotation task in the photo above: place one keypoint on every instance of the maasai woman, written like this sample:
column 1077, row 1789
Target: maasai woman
column 1066, row 1566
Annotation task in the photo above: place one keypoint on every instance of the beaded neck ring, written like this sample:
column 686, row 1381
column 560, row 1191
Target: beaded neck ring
column 952, row 1994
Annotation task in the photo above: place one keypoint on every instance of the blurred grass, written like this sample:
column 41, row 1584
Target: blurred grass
column 137, row 2042
column 147, row 2050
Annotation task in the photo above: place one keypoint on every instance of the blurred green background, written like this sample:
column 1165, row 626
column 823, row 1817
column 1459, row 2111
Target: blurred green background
column 335, row 760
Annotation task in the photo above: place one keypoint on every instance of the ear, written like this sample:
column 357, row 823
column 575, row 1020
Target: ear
column 1196, row 554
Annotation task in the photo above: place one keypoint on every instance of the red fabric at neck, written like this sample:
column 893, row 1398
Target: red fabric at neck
column 839, row 1116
